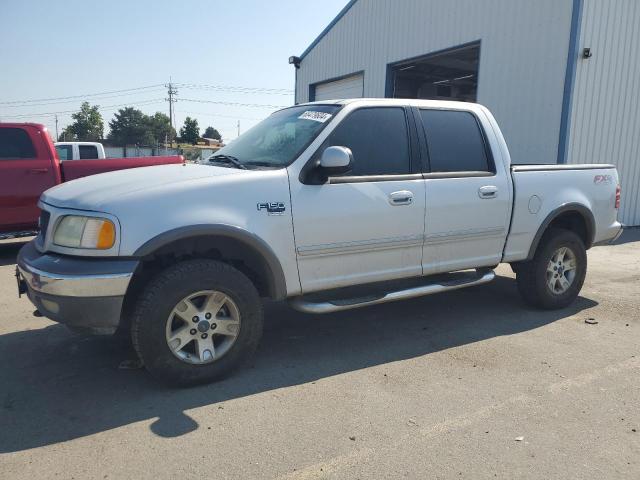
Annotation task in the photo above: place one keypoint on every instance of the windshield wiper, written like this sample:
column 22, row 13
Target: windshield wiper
column 228, row 159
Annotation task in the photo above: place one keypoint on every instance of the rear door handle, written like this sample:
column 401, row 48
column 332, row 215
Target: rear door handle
column 488, row 191
column 38, row 170
column 403, row 197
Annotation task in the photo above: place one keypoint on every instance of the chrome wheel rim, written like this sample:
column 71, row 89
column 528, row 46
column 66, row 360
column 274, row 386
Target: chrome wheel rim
column 561, row 270
column 203, row 327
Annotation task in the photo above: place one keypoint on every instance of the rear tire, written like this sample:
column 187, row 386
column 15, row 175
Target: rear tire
column 554, row 277
column 227, row 330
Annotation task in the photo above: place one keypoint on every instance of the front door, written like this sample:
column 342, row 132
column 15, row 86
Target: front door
column 24, row 175
column 367, row 225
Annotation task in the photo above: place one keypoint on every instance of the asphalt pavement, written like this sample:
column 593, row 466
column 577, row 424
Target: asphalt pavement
column 469, row 384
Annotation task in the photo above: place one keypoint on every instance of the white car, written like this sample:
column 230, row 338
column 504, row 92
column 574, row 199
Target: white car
column 331, row 205
column 79, row 150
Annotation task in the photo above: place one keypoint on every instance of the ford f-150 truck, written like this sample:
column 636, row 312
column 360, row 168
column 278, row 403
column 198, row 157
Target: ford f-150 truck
column 331, row 205
column 29, row 165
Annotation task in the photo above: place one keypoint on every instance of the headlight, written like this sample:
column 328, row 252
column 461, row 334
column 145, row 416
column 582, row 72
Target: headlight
column 85, row 232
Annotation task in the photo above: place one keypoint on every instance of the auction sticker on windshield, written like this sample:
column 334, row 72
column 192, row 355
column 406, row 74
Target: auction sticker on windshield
column 315, row 116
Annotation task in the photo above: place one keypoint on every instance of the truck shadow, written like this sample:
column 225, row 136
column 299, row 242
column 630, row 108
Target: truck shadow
column 57, row 386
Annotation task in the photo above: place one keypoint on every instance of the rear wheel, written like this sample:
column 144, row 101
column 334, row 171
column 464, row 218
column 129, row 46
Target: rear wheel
column 554, row 277
column 197, row 321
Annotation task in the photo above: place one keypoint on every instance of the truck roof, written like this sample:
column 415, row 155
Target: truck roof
column 22, row 124
column 448, row 104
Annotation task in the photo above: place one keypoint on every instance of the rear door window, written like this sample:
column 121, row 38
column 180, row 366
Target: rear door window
column 88, row 151
column 378, row 138
column 15, row 143
column 455, row 142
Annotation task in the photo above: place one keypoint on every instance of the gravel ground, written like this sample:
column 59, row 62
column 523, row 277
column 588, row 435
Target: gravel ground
column 470, row 384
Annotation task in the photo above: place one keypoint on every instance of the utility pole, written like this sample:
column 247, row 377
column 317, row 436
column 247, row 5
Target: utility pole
column 238, row 127
column 57, row 128
column 172, row 92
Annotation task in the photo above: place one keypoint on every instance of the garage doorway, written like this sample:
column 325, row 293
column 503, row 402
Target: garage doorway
column 350, row 86
column 448, row 75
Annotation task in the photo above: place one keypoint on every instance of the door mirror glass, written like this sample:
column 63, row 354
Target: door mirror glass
column 336, row 160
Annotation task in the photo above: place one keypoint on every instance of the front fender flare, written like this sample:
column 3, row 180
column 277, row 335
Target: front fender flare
column 277, row 280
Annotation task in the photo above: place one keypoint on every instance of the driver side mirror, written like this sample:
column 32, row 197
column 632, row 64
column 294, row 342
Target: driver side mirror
column 336, row 160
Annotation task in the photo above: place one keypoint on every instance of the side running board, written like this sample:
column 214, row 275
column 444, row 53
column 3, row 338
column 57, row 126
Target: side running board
column 327, row 306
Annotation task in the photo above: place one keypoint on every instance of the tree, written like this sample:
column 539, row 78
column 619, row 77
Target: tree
column 211, row 132
column 87, row 125
column 161, row 128
column 67, row 135
column 131, row 127
column 190, row 132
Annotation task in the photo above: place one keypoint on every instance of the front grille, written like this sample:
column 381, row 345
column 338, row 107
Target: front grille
column 43, row 223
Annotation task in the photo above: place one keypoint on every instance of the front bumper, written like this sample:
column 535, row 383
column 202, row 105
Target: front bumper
column 83, row 293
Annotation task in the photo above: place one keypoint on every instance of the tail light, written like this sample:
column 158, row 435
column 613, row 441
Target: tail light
column 618, row 190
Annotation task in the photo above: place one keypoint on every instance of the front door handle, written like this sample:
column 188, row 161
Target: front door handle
column 488, row 191
column 38, row 170
column 403, row 197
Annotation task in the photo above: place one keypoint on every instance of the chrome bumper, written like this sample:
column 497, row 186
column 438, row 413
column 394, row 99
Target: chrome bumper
column 85, row 293
column 105, row 285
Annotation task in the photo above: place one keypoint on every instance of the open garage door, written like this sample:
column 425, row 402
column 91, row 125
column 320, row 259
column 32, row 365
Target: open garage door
column 349, row 87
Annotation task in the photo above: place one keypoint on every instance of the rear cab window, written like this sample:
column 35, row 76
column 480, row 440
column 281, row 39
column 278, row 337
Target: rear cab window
column 455, row 142
column 65, row 152
column 379, row 141
column 15, row 144
column 88, row 151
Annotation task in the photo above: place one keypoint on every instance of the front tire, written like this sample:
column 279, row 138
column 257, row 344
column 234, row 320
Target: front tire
column 554, row 277
column 196, row 321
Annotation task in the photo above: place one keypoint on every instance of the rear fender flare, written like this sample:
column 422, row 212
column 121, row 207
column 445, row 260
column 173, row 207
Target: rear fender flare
column 566, row 208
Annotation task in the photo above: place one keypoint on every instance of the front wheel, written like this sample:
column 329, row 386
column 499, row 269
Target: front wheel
column 555, row 275
column 196, row 321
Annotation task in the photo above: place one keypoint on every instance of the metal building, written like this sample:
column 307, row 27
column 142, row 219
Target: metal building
column 561, row 76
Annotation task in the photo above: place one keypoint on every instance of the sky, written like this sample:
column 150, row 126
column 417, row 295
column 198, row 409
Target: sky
column 215, row 51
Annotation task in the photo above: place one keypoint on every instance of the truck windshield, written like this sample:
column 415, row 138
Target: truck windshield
column 279, row 139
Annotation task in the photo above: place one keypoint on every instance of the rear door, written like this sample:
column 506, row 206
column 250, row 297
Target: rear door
column 26, row 170
column 366, row 225
column 468, row 199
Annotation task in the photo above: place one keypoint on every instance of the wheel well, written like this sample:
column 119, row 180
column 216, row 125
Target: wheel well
column 226, row 249
column 575, row 222
column 575, row 218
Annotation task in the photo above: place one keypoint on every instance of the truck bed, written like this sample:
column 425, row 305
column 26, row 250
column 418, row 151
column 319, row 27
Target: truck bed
column 542, row 190
column 83, row 168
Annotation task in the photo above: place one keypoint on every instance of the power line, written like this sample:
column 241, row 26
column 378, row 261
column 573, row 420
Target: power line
column 209, row 114
column 132, row 91
column 137, row 104
column 76, row 99
column 237, row 89
column 12, row 102
column 233, row 104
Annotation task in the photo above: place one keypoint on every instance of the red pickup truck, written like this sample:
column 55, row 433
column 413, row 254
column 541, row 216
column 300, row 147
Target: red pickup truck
column 29, row 165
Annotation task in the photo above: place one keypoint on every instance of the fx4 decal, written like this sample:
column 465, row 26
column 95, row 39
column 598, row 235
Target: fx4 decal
column 602, row 179
column 272, row 208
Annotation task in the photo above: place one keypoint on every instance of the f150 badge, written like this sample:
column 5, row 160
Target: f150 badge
column 272, row 208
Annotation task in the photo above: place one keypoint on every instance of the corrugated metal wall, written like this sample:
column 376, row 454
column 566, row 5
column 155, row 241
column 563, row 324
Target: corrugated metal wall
column 605, row 118
column 522, row 61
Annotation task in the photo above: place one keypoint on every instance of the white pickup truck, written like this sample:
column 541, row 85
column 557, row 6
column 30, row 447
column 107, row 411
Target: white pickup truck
column 331, row 205
column 79, row 150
